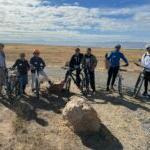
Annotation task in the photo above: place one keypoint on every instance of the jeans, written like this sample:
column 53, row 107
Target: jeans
column 147, row 80
column 23, row 80
column 112, row 74
column 90, row 79
column 42, row 73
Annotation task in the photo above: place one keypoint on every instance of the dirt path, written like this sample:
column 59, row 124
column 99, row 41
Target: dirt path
column 29, row 124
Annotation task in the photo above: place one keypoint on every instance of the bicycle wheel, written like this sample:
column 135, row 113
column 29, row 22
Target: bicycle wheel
column 68, row 84
column 18, row 91
column 138, row 85
column 83, row 86
column 37, row 89
column 9, row 89
column 120, row 89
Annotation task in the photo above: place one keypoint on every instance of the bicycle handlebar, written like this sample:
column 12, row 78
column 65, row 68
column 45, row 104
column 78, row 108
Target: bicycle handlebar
column 142, row 66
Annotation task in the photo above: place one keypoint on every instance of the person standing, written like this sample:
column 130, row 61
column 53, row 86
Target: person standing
column 89, row 64
column 2, row 66
column 114, row 64
column 75, row 65
column 145, row 62
column 23, row 67
column 37, row 63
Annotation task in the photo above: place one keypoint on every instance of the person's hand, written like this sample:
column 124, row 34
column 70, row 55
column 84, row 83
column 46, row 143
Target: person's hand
column 137, row 64
column 126, row 65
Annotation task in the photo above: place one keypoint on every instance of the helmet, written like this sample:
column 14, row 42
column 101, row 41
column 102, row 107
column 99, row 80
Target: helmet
column 36, row 51
column 147, row 46
column 118, row 46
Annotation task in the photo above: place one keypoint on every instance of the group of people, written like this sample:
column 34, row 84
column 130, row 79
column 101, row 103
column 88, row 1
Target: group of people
column 78, row 61
column 23, row 66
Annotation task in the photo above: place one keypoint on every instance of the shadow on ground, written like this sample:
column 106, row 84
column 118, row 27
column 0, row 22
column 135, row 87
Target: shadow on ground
column 26, row 107
column 103, row 140
column 104, row 97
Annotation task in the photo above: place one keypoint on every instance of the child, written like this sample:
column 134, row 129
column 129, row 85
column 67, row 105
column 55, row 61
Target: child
column 23, row 67
column 37, row 63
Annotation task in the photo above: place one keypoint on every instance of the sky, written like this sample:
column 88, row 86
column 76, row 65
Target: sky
column 74, row 22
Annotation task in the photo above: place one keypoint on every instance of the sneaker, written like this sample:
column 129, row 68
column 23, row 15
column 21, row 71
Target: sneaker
column 145, row 94
column 50, row 83
column 107, row 89
column 113, row 89
column 33, row 90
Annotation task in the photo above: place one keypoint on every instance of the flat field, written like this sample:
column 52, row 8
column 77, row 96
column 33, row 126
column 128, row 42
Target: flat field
column 56, row 56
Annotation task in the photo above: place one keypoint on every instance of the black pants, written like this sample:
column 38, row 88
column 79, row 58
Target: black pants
column 78, row 79
column 90, row 79
column 147, row 79
column 112, row 74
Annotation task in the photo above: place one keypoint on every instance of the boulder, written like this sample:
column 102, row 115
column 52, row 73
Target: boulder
column 80, row 116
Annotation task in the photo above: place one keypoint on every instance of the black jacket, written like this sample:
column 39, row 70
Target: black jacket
column 76, row 60
column 22, row 66
column 38, row 63
column 89, row 62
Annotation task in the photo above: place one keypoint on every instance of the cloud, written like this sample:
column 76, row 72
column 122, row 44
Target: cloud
column 39, row 19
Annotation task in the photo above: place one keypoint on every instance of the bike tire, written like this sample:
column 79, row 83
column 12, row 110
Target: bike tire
column 120, row 89
column 18, row 91
column 68, row 85
column 37, row 89
column 138, row 85
column 83, row 86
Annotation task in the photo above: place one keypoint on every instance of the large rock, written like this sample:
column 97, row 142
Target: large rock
column 80, row 116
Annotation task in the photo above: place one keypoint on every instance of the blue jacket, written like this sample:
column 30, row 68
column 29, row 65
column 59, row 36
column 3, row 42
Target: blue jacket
column 114, row 58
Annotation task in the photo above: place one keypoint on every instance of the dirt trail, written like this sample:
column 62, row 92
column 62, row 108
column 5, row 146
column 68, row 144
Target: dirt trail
column 29, row 124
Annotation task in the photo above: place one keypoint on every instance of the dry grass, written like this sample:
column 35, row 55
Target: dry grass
column 57, row 56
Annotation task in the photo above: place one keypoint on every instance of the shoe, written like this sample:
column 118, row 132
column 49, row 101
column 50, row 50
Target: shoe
column 145, row 94
column 112, row 89
column 33, row 90
column 24, row 93
column 107, row 89
column 50, row 83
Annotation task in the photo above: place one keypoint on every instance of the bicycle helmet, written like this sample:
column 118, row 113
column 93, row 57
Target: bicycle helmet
column 36, row 51
column 118, row 46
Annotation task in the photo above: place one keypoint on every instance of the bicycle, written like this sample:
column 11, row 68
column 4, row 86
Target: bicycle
column 139, row 81
column 37, row 83
column 12, row 86
column 72, row 76
column 120, row 79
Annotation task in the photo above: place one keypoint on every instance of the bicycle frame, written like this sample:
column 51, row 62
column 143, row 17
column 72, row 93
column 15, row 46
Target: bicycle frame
column 12, row 85
column 139, row 81
column 72, row 76
column 120, row 79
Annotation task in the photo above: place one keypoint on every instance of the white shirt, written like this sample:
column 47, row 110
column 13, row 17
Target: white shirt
column 2, row 60
column 146, row 61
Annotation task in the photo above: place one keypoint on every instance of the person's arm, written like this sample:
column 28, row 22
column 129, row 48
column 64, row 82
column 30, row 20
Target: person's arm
column 143, row 60
column 125, row 60
column 15, row 65
column 43, row 63
column 71, row 63
column 28, row 66
column 108, row 56
column 95, row 61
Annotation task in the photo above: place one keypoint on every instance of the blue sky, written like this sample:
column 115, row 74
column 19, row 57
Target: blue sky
column 82, row 22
